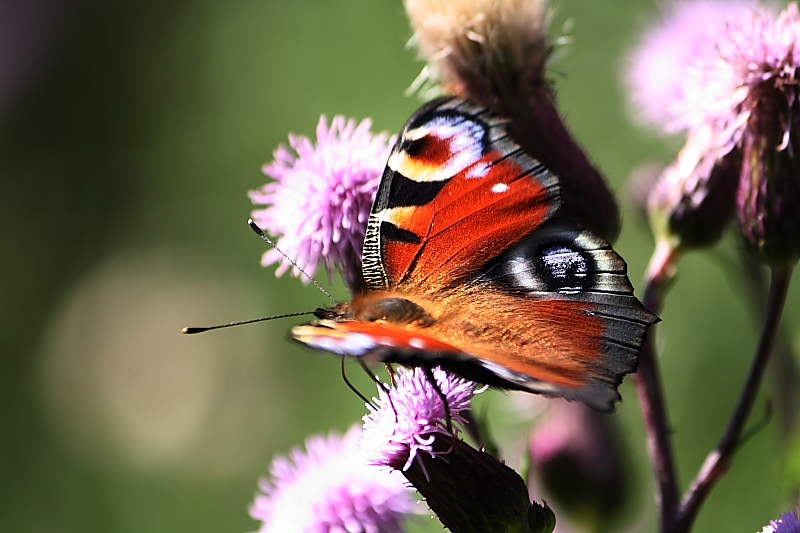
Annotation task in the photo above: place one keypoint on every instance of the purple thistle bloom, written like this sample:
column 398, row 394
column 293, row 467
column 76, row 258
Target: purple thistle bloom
column 757, row 52
column 396, row 431
column 320, row 200
column 662, row 71
column 329, row 487
column 737, row 94
column 787, row 523
column 761, row 57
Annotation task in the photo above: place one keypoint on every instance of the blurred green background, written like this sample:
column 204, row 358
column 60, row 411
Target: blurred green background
column 130, row 135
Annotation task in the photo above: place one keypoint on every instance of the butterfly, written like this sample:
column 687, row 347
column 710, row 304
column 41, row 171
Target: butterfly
column 468, row 264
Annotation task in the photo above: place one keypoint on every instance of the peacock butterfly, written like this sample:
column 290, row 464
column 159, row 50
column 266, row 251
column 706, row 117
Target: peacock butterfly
column 469, row 265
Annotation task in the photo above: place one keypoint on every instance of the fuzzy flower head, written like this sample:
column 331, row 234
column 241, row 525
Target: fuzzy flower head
column 407, row 420
column 482, row 49
column 736, row 92
column 787, row 523
column 329, row 487
column 320, row 200
column 663, row 70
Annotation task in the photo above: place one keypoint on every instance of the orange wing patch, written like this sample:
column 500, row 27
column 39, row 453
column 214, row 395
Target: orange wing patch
column 456, row 192
column 553, row 347
column 469, row 221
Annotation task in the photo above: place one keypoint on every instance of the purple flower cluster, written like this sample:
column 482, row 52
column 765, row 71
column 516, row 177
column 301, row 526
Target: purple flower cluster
column 663, row 71
column 728, row 75
column 330, row 487
column 407, row 419
column 320, row 200
column 701, row 65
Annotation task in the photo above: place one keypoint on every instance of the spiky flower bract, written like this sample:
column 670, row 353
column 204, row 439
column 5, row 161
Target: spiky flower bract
column 407, row 419
column 320, row 200
column 329, row 487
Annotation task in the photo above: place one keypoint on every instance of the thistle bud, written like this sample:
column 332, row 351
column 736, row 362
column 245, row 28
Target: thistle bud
column 473, row 492
column 693, row 199
column 469, row 490
column 577, row 460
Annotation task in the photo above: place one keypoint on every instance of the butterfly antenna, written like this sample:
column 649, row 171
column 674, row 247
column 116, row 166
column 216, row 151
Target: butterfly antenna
column 269, row 241
column 201, row 329
column 392, row 374
column 355, row 390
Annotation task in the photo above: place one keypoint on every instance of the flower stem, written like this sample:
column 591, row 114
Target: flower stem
column 782, row 370
column 651, row 394
column 718, row 461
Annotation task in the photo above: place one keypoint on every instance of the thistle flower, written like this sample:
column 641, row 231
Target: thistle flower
column 660, row 73
column 330, row 487
column 693, row 199
column 787, row 523
column 467, row 489
column 739, row 101
column 763, row 52
column 320, row 200
column 408, row 419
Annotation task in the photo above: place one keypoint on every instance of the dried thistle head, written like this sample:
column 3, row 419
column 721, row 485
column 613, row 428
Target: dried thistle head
column 482, row 49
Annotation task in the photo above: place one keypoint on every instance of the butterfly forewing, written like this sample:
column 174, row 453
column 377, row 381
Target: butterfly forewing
column 456, row 192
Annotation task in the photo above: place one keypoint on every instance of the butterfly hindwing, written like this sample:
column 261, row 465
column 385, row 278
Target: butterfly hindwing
column 554, row 315
column 456, row 192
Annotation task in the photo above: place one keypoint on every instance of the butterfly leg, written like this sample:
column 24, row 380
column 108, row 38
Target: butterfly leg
column 381, row 384
column 392, row 373
column 352, row 387
column 429, row 374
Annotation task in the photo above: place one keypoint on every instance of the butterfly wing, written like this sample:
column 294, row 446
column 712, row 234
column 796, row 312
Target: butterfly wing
column 456, row 192
column 553, row 315
column 465, row 229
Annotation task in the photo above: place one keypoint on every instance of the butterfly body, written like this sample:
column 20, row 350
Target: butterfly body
column 468, row 265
